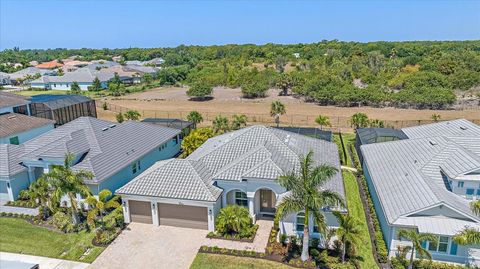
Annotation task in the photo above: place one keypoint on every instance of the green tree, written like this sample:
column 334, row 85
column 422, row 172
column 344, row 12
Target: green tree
column 280, row 63
column 200, row 91
column 307, row 193
column 359, row 120
column 238, row 122
column 436, row 117
column 469, row 236
column 132, row 115
column 348, row 232
column 116, row 79
column 284, row 82
column 277, row 109
column 40, row 192
column 195, row 117
column 75, row 88
column 67, row 182
column 323, row 121
column 120, row 118
column 96, row 85
column 220, row 125
column 234, row 220
column 195, row 139
column 147, row 78
column 416, row 238
column 101, row 205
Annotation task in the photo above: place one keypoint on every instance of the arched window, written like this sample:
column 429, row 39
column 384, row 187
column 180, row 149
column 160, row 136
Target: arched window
column 300, row 221
column 241, row 198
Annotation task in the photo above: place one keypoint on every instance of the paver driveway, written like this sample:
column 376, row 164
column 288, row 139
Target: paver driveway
column 147, row 246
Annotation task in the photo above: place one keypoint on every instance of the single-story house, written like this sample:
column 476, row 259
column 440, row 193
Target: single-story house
column 239, row 167
column 62, row 108
column 365, row 136
column 14, row 103
column 426, row 182
column 83, row 76
column 18, row 128
column 114, row 153
column 30, row 72
column 4, row 79
column 49, row 65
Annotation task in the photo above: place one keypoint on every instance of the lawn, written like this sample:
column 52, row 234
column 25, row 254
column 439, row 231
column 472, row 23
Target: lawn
column 32, row 93
column 19, row 236
column 217, row 261
column 355, row 208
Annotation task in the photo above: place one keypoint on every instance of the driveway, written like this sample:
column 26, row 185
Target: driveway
column 147, row 246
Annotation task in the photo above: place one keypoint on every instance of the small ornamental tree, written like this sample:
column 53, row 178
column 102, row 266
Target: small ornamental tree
column 220, row 125
column 323, row 121
column 75, row 88
column 195, row 117
column 132, row 115
column 195, row 139
column 199, row 91
column 120, row 118
column 277, row 109
column 96, row 85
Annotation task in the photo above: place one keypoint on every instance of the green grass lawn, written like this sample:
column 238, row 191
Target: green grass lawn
column 217, row 261
column 32, row 93
column 355, row 208
column 19, row 236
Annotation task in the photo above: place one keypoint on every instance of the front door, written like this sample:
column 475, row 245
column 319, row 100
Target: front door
column 267, row 201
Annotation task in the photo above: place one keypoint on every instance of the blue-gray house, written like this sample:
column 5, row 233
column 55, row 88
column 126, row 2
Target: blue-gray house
column 114, row 153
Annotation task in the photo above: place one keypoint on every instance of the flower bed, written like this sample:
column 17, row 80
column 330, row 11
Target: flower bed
column 213, row 235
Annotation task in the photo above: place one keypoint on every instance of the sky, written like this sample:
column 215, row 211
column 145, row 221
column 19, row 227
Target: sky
column 147, row 23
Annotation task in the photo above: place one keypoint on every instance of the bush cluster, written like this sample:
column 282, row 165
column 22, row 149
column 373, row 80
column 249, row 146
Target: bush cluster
column 16, row 215
column 424, row 264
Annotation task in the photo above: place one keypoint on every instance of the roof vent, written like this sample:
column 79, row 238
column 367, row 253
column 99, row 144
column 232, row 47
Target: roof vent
column 104, row 129
column 463, row 128
column 113, row 125
column 11, row 117
column 287, row 138
column 406, row 174
column 415, row 161
column 433, row 143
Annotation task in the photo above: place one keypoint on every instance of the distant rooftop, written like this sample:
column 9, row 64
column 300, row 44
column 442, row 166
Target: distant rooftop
column 13, row 123
column 11, row 100
column 55, row 101
column 172, row 123
column 375, row 135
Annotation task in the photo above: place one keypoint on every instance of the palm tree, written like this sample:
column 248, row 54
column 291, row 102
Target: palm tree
column 132, row 115
column 436, row 117
column 416, row 238
column 306, row 193
column 220, row 125
column 323, row 121
column 195, row 117
column 39, row 191
column 348, row 232
column 233, row 219
column 469, row 236
column 359, row 120
column 277, row 109
column 239, row 121
column 67, row 182
column 100, row 205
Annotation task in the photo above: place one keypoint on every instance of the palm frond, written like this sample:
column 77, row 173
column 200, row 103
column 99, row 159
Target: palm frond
column 468, row 236
column 289, row 204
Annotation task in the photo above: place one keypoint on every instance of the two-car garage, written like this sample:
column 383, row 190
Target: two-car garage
column 177, row 215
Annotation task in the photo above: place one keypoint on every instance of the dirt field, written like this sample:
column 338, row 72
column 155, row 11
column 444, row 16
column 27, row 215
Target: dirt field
column 173, row 102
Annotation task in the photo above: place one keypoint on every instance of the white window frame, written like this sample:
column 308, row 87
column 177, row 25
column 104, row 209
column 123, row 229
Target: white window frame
column 242, row 200
column 447, row 251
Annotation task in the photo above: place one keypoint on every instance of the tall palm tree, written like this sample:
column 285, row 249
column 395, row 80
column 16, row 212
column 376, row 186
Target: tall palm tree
column 220, row 125
column 348, row 232
column 305, row 193
column 39, row 191
column 277, row 109
column 100, row 205
column 416, row 238
column 67, row 182
column 195, row 117
column 359, row 120
column 323, row 121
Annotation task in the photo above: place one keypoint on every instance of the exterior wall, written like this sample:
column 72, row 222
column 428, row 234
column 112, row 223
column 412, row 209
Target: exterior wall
column 6, row 110
column 17, row 183
column 288, row 225
column 462, row 190
column 27, row 135
column 64, row 85
column 125, row 175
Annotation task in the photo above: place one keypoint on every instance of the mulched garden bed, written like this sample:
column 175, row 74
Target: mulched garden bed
column 232, row 238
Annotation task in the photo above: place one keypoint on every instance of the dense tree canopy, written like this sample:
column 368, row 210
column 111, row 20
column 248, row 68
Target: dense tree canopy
column 418, row 74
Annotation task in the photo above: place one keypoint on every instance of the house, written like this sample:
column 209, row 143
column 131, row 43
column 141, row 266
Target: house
column 18, row 128
column 28, row 74
column 240, row 167
column 184, row 126
column 4, row 79
column 365, row 136
column 83, row 77
column 426, row 182
column 62, row 108
column 10, row 102
column 49, row 65
column 114, row 153
column 155, row 62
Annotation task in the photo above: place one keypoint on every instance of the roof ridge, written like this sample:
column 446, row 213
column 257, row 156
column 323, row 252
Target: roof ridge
column 240, row 159
column 206, row 185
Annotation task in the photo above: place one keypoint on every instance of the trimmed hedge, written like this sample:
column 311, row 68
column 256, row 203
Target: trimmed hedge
column 16, row 215
column 424, row 264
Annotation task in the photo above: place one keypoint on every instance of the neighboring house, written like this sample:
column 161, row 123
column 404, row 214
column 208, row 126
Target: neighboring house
column 20, row 76
column 49, row 65
column 4, row 79
column 141, row 70
column 62, row 108
column 365, row 136
column 14, row 103
column 13, row 175
column 426, row 182
column 18, row 128
column 114, row 153
column 155, row 62
column 239, row 167
column 184, row 126
column 311, row 132
column 83, row 76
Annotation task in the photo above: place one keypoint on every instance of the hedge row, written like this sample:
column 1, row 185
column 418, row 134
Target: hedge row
column 16, row 215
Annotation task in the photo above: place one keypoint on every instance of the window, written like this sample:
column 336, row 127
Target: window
column 315, row 227
column 241, row 198
column 175, row 140
column 478, row 194
column 440, row 246
column 300, row 221
column 460, row 184
column 14, row 140
column 162, row 147
column 470, row 193
column 136, row 167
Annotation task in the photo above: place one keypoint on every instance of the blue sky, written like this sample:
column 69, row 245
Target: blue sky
column 122, row 23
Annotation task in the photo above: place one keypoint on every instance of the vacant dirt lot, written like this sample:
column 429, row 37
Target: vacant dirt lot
column 173, row 102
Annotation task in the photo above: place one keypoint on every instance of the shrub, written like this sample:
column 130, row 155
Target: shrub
column 235, row 220
column 62, row 222
column 283, row 239
column 114, row 219
column 315, row 242
column 105, row 236
column 314, row 252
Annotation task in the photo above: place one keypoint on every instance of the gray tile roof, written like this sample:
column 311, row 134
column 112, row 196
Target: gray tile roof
column 407, row 173
column 460, row 127
column 29, row 71
column 253, row 152
column 109, row 147
column 13, row 123
column 10, row 160
column 83, row 75
column 12, row 100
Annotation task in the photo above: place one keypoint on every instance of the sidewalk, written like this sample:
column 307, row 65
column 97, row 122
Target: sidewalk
column 43, row 262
